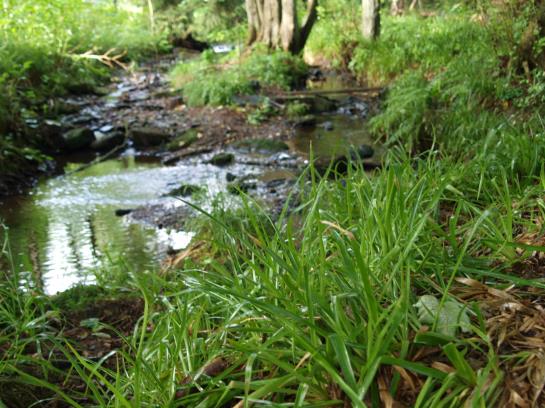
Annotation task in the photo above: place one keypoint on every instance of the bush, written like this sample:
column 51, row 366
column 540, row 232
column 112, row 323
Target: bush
column 216, row 80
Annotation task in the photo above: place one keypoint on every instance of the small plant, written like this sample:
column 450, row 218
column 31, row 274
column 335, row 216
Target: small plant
column 296, row 110
column 262, row 113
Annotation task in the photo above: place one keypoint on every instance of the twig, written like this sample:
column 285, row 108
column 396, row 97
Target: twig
column 99, row 159
column 106, row 58
column 330, row 91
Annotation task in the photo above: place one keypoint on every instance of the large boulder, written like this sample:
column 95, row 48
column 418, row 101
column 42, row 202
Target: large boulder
column 79, row 138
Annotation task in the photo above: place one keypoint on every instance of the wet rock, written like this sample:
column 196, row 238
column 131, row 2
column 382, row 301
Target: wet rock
column 249, row 100
column 185, row 190
column 315, row 74
column 184, row 140
column 328, row 126
column 222, row 159
column 353, row 106
column 78, row 138
column 355, row 155
column 262, row 145
column 242, row 186
column 66, row 108
column 315, row 103
column 362, row 152
column 106, row 128
column 107, row 141
column 81, row 88
column 148, row 136
column 123, row 211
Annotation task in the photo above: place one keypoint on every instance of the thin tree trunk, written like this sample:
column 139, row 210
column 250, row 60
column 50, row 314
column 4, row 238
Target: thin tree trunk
column 253, row 20
column 370, row 24
column 397, row 7
column 151, row 16
column 308, row 23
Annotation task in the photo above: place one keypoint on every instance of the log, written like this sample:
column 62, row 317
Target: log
column 330, row 91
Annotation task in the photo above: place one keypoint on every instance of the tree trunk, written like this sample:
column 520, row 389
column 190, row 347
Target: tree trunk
column 275, row 23
column 370, row 27
column 397, row 7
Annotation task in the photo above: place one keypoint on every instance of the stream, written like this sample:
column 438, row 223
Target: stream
column 68, row 229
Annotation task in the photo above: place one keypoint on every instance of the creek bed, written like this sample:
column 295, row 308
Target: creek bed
column 66, row 230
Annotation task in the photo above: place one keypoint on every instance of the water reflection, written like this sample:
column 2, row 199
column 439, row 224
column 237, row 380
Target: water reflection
column 67, row 229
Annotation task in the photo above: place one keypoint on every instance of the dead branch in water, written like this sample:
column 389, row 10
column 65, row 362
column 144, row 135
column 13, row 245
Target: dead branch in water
column 330, row 91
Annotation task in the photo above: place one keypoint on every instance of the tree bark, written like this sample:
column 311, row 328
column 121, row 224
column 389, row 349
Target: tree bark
column 397, row 7
column 275, row 23
column 370, row 24
column 253, row 20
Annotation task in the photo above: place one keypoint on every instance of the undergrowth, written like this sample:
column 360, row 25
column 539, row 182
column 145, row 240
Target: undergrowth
column 49, row 48
column 320, row 306
column 213, row 80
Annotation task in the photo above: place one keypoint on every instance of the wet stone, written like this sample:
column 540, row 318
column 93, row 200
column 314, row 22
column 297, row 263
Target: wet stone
column 261, row 145
column 148, row 136
column 222, row 159
column 185, row 190
column 306, row 121
column 242, row 186
column 183, row 140
column 328, row 126
column 107, row 141
column 79, row 138
column 123, row 211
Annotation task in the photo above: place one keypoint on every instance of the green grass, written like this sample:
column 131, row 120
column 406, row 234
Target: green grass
column 214, row 80
column 318, row 307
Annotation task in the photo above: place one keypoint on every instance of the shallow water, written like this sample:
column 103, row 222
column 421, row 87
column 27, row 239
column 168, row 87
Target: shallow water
column 66, row 229
column 346, row 130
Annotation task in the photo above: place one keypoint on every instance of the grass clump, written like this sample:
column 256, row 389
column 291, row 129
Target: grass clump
column 320, row 305
column 295, row 110
column 213, row 80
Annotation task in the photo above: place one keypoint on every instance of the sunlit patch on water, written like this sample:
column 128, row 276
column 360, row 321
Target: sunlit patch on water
column 67, row 228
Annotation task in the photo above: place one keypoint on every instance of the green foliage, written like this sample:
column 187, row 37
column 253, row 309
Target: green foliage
column 216, row 21
column 262, row 113
column 47, row 49
column 78, row 297
column 327, row 296
column 429, row 44
column 215, row 80
column 336, row 34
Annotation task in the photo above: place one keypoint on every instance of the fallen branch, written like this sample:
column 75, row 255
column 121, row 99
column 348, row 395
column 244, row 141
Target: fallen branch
column 99, row 159
column 330, row 91
column 106, row 58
